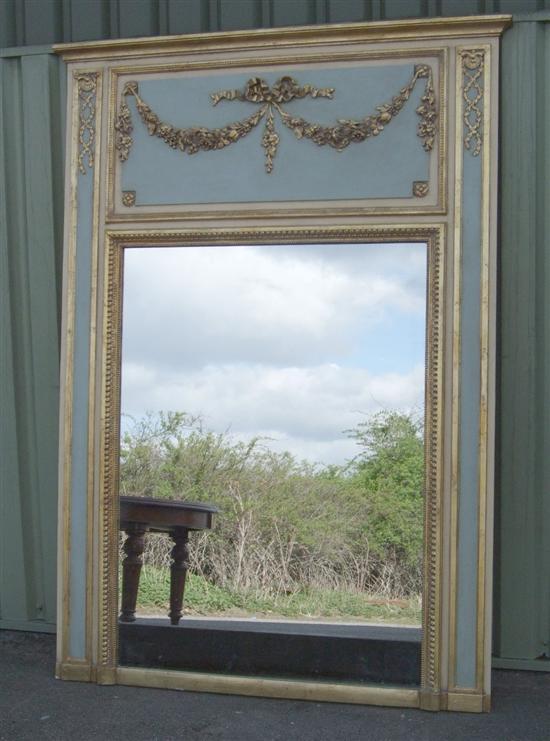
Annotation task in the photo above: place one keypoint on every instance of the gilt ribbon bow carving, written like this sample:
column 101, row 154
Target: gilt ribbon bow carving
column 270, row 101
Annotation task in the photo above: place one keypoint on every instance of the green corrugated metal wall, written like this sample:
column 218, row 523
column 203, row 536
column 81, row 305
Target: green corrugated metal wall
column 25, row 22
column 31, row 193
column 31, row 119
column 522, row 593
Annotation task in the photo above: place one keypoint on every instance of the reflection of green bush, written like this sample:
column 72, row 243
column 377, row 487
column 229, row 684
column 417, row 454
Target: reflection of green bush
column 287, row 526
column 200, row 595
column 204, row 598
column 390, row 472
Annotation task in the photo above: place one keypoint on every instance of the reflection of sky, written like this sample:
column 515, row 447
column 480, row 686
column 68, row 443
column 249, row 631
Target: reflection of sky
column 297, row 343
column 395, row 344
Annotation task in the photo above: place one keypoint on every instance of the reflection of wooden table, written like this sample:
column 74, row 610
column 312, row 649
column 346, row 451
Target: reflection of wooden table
column 140, row 515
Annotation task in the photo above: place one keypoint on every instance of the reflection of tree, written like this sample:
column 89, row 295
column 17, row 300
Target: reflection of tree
column 390, row 469
column 286, row 524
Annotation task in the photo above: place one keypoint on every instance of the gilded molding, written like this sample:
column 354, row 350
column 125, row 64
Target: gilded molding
column 431, row 623
column 330, row 691
column 87, row 94
column 74, row 670
column 271, row 100
column 116, row 242
column 170, row 212
column 308, row 36
column 473, row 63
column 110, row 444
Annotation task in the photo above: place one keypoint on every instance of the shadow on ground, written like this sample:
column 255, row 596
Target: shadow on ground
column 34, row 705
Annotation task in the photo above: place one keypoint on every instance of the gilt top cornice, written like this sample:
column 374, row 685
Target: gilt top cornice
column 352, row 33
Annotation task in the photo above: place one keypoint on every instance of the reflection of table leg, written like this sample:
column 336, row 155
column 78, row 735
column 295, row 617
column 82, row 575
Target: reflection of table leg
column 178, row 572
column 131, row 569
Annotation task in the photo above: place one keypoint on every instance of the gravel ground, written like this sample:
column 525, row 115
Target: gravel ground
column 34, row 705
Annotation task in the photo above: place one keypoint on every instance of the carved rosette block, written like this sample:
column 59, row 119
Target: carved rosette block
column 270, row 101
column 129, row 198
column 473, row 64
column 87, row 90
column 420, row 188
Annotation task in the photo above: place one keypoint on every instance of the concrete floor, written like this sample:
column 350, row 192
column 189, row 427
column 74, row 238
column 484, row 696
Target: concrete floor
column 33, row 705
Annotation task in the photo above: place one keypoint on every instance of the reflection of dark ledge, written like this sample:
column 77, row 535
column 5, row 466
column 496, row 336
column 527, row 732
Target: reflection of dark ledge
column 357, row 653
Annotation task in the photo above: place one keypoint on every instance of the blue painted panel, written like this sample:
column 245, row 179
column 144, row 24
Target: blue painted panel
column 384, row 166
column 470, row 385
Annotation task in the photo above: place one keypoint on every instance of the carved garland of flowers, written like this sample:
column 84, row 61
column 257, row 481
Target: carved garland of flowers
column 271, row 100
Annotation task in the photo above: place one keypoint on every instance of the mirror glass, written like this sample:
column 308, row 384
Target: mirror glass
column 272, row 460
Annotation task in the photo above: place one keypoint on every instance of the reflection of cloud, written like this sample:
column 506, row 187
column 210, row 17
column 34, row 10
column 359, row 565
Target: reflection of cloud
column 190, row 306
column 296, row 343
column 304, row 410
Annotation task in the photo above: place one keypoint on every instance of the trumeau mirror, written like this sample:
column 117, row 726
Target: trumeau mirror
column 278, row 382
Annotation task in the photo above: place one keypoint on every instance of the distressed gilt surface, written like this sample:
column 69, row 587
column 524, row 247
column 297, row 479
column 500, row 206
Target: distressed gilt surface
column 522, row 622
column 443, row 234
column 32, row 84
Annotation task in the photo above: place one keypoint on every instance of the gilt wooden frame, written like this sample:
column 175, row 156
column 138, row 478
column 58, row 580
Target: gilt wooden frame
column 102, row 219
